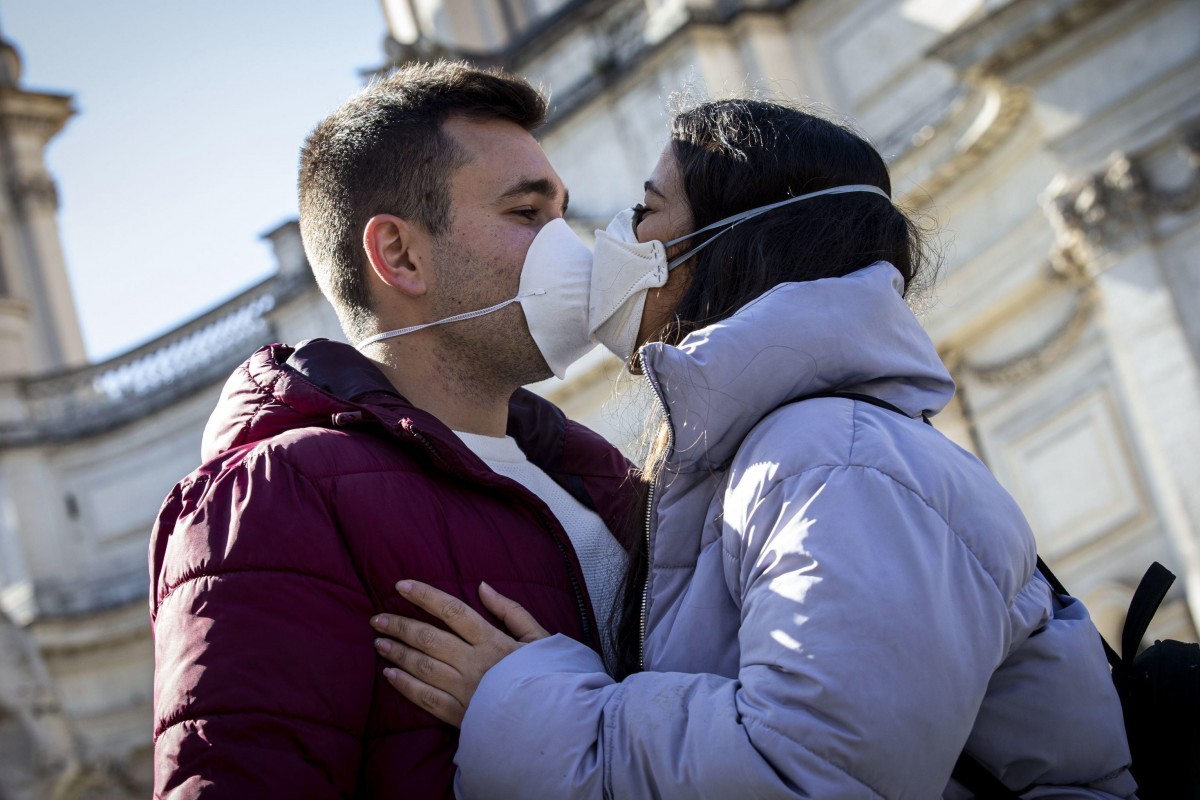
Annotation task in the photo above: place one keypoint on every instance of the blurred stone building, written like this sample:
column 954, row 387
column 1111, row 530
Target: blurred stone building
column 1056, row 143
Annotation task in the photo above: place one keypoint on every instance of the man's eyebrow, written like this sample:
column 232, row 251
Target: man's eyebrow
column 542, row 186
column 650, row 187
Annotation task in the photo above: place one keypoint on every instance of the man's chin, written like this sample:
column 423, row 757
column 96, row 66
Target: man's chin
column 538, row 372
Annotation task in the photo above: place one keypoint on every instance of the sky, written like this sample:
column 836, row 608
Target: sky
column 184, row 148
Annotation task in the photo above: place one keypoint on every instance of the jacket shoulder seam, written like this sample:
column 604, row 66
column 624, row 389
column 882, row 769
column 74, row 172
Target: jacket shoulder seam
column 917, row 495
column 282, row 451
column 925, row 502
column 321, row 478
column 185, row 718
column 268, row 392
column 262, row 390
column 223, row 573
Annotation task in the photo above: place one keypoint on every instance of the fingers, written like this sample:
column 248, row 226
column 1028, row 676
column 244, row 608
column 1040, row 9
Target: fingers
column 441, row 704
column 420, row 665
column 519, row 622
column 457, row 615
column 443, row 645
column 440, row 670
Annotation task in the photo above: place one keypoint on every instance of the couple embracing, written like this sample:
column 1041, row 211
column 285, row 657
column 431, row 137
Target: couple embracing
column 399, row 574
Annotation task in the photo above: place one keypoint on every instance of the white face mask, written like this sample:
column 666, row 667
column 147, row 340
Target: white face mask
column 624, row 270
column 553, row 293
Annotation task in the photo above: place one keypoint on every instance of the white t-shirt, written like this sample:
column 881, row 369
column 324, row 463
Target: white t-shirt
column 600, row 554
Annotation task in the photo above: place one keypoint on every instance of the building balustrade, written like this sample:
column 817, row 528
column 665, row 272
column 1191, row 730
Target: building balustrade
column 65, row 405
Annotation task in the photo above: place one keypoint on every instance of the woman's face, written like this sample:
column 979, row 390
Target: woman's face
column 664, row 215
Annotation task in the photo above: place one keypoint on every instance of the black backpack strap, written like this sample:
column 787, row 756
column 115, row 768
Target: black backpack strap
column 982, row 784
column 862, row 398
column 1146, row 599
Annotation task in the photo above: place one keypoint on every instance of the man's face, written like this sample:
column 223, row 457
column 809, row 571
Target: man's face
column 499, row 200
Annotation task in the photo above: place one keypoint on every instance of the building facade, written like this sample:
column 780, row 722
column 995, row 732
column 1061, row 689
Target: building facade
column 1055, row 144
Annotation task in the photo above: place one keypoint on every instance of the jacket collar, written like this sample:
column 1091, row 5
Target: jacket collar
column 340, row 370
column 852, row 334
column 324, row 383
column 536, row 424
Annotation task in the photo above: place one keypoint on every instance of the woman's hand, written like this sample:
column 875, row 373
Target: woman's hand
column 440, row 670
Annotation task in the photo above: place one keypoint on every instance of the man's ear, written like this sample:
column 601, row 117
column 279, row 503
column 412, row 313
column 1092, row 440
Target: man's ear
column 398, row 253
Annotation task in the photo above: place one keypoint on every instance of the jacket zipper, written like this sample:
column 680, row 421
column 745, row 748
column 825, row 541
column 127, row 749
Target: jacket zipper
column 420, row 437
column 580, row 603
column 650, row 512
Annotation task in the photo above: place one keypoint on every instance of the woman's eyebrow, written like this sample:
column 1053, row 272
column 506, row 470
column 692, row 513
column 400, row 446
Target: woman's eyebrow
column 650, row 187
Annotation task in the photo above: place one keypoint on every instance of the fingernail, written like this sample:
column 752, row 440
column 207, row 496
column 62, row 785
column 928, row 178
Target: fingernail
column 383, row 645
column 390, row 673
column 485, row 585
column 404, row 587
column 378, row 622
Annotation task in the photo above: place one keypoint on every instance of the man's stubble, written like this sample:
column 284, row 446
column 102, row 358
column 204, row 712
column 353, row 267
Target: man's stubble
column 493, row 352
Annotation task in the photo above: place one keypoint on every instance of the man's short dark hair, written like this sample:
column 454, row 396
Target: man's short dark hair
column 385, row 152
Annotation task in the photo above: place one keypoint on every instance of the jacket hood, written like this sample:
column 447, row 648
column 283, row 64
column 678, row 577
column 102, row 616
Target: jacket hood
column 270, row 393
column 852, row 334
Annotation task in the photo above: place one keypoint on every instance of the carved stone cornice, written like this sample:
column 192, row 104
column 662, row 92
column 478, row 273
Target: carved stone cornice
column 1094, row 216
column 1102, row 213
column 1014, row 32
column 1037, row 358
column 1002, row 110
column 618, row 35
column 42, row 113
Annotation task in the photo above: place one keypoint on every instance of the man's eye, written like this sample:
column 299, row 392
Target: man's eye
column 528, row 213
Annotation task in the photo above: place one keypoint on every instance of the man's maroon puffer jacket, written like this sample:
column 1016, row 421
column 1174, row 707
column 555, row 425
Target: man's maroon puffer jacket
column 320, row 488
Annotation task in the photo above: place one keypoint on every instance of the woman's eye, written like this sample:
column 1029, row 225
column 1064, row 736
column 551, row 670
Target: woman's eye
column 639, row 213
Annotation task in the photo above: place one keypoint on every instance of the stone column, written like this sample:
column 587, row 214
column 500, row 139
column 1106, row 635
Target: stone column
column 1113, row 229
column 39, row 328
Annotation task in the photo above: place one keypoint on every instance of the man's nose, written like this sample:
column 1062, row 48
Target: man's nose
column 546, row 218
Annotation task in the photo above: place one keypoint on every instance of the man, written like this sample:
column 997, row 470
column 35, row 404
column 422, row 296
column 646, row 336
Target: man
column 329, row 475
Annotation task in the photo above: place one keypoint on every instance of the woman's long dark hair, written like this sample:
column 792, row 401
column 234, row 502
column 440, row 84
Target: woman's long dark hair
column 735, row 155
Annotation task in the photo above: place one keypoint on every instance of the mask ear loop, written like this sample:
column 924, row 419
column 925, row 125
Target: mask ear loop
column 379, row 337
column 733, row 220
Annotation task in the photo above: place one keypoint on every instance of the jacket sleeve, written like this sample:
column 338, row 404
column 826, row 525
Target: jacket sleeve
column 263, row 655
column 851, row 592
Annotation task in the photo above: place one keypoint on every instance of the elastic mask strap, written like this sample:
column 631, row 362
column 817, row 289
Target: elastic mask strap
column 379, row 337
column 731, row 222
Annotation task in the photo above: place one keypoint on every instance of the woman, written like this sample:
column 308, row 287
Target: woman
column 839, row 600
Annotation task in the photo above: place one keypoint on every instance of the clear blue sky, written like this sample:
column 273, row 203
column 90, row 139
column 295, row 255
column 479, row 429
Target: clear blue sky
column 184, row 149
